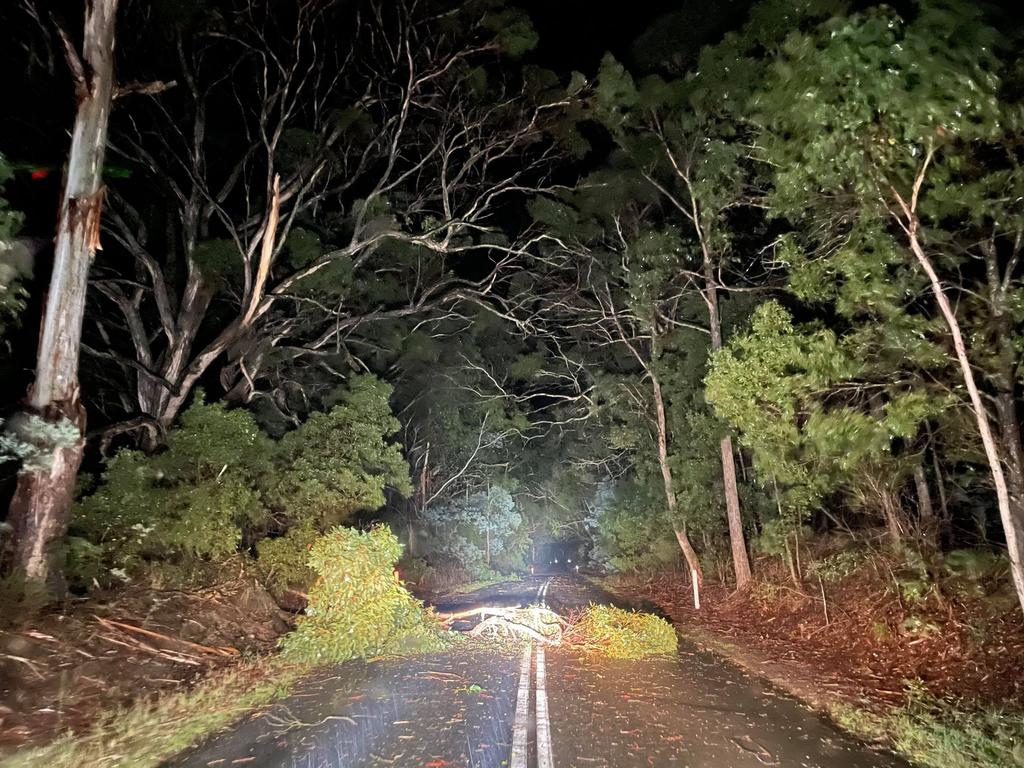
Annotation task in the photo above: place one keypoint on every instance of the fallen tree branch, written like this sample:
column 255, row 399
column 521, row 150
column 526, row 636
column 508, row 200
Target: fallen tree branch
column 215, row 650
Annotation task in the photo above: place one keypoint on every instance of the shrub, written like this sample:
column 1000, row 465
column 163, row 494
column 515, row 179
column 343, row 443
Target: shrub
column 621, row 634
column 973, row 566
column 282, row 561
column 838, row 566
column 339, row 462
column 358, row 607
column 190, row 502
column 221, row 484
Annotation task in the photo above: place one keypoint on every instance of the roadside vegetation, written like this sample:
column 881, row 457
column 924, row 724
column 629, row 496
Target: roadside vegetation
column 938, row 733
column 148, row 733
column 356, row 609
column 917, row 655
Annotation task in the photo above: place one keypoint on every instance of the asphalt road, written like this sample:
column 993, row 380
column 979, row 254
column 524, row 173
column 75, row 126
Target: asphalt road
column 543, row 707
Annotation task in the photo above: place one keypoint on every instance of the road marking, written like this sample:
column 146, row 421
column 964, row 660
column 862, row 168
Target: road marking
column 544, row 759
column 521, row 724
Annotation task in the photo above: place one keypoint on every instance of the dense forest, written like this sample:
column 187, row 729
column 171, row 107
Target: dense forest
column 742, row 298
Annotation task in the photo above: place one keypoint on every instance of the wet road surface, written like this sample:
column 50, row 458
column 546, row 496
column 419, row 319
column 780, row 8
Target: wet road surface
column 530, row 706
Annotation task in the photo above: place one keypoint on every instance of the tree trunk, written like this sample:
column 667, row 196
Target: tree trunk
column 740, row 561
column 890, row 506
column 666, row 475
column 689, row 553
column 925, row 508
column 40, row 509
column 940, row 484
column 1011, row 512
column 1013, row 457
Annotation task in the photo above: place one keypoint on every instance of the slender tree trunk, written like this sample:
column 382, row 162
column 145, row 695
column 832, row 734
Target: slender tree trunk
column 925, row 508
column 1011, row 511
column 40, row 509
column 940, row 484
column 890, row 512
column 1013, row 455
column 740, row 561
column 666, row 476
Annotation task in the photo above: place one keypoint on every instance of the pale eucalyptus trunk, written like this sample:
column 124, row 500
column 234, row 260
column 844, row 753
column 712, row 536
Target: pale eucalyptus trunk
column 737, row 541
column 41, row 506
column 689, row 553
column 1009, row 501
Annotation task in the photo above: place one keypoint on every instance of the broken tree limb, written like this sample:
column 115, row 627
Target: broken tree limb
column 535, row 623
column 210, row 649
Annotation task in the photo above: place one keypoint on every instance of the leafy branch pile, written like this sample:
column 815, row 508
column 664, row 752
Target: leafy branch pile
column 533, row 623
column 619, row 634
column 358, row 607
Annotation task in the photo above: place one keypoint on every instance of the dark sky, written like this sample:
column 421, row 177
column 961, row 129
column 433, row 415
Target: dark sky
column 574, row 34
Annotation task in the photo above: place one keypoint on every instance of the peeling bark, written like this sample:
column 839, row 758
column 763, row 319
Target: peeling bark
column 41, row 506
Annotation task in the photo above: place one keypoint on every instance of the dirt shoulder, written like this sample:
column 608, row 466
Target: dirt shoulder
column 864, row 656
column 61, row 670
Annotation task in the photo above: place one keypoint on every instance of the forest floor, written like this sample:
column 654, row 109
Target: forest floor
column 64, row 668
column 877, row 665
column 72, row 665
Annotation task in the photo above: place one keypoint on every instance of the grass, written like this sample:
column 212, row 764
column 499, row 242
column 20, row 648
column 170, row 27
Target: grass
column 148, row 733
column 619, row 634
column 937, row 733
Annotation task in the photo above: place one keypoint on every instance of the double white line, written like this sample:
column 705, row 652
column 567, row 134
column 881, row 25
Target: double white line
column 521, row 724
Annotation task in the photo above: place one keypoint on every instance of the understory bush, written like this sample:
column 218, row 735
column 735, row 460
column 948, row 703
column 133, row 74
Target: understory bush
column 838, row 566
column 358, row 607
column 282, row 560
column 621, row 634
column 973, row 569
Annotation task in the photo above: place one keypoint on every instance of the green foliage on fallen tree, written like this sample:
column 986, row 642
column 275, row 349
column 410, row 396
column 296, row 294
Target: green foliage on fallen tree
column 358, row 606
column 620, row 634
column 190, row 502
column 223, row 487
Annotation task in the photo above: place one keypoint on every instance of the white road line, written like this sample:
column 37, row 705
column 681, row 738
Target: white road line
column 521, row 724
column 544, row 759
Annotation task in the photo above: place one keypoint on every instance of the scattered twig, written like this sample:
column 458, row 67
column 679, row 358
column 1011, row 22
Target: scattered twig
column 22, row 660
column 824, row 602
